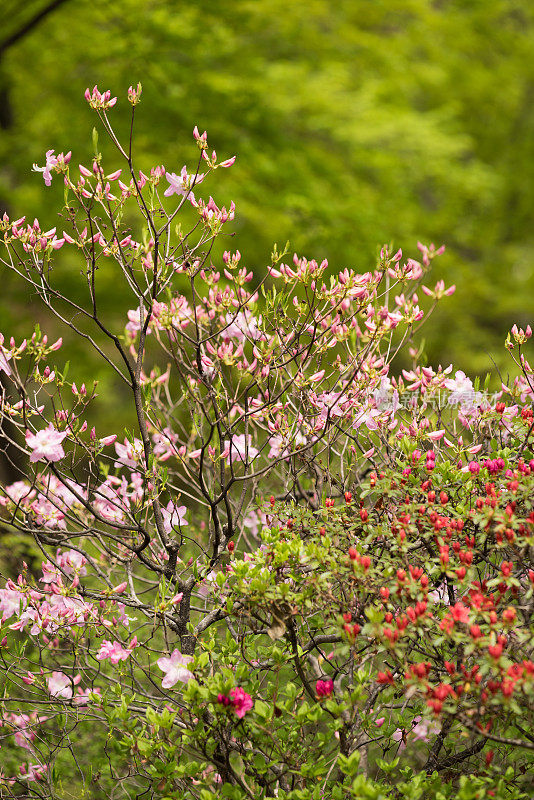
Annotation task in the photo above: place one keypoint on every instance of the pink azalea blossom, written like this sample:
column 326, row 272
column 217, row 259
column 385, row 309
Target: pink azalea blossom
column 129, row 454
column 424, row 729
column 241, row 326
column 173, row 516
column 400, row 737
column 46, row 444
column 47, row 514
column 135, row 315
column 11, row 601
column 241, row 701
column 17, row 492
column 255, row 520
column 60, row 685
column 5, row 356
column 182, row 184
column 112, row 650
column 33, row 772
column 51, row 161
column 83, row 696
column 240, row 448
column 175, row 669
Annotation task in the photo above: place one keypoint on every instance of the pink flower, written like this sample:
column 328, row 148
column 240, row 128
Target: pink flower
column 11, row 602
column 51, row 161
column 129, row 454
column 182, row 184
column 424, row 729
column 60, row 685
column 399, row 736
column 107, row 440
column 83, row 696
column 46, row 444
column 33, row 772
column 228, row 163
column 240, row 448
column 135, row 315
column 112, row 650
column 324, row 688
column 98, row 99
column 175, row 669
column 5, row 356
column 435, row 436
column 173, row 516
column 241, row 701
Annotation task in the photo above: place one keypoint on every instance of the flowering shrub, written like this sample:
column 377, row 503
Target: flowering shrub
column 303, row 576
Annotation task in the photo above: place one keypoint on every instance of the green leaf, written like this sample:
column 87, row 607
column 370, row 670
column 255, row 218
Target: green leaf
column 95, row 142
column 237, row 763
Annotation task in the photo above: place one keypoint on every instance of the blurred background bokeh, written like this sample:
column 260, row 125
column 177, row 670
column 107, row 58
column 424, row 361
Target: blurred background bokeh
column 355, row 123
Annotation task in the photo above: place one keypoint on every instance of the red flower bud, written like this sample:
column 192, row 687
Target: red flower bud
column 495, row 650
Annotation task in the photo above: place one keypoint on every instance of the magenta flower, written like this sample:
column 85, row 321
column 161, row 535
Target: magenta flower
column 175, row 669
column 241, row 701
column 324, row 688
column 46, row 444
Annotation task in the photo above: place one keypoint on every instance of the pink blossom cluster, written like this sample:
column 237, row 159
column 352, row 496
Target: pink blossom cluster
column 238, row 699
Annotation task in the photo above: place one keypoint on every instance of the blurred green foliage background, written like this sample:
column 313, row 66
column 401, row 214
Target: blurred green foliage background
column 355, row 123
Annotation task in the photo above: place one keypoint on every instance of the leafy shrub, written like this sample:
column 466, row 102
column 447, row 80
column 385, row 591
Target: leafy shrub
column 300, row 577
